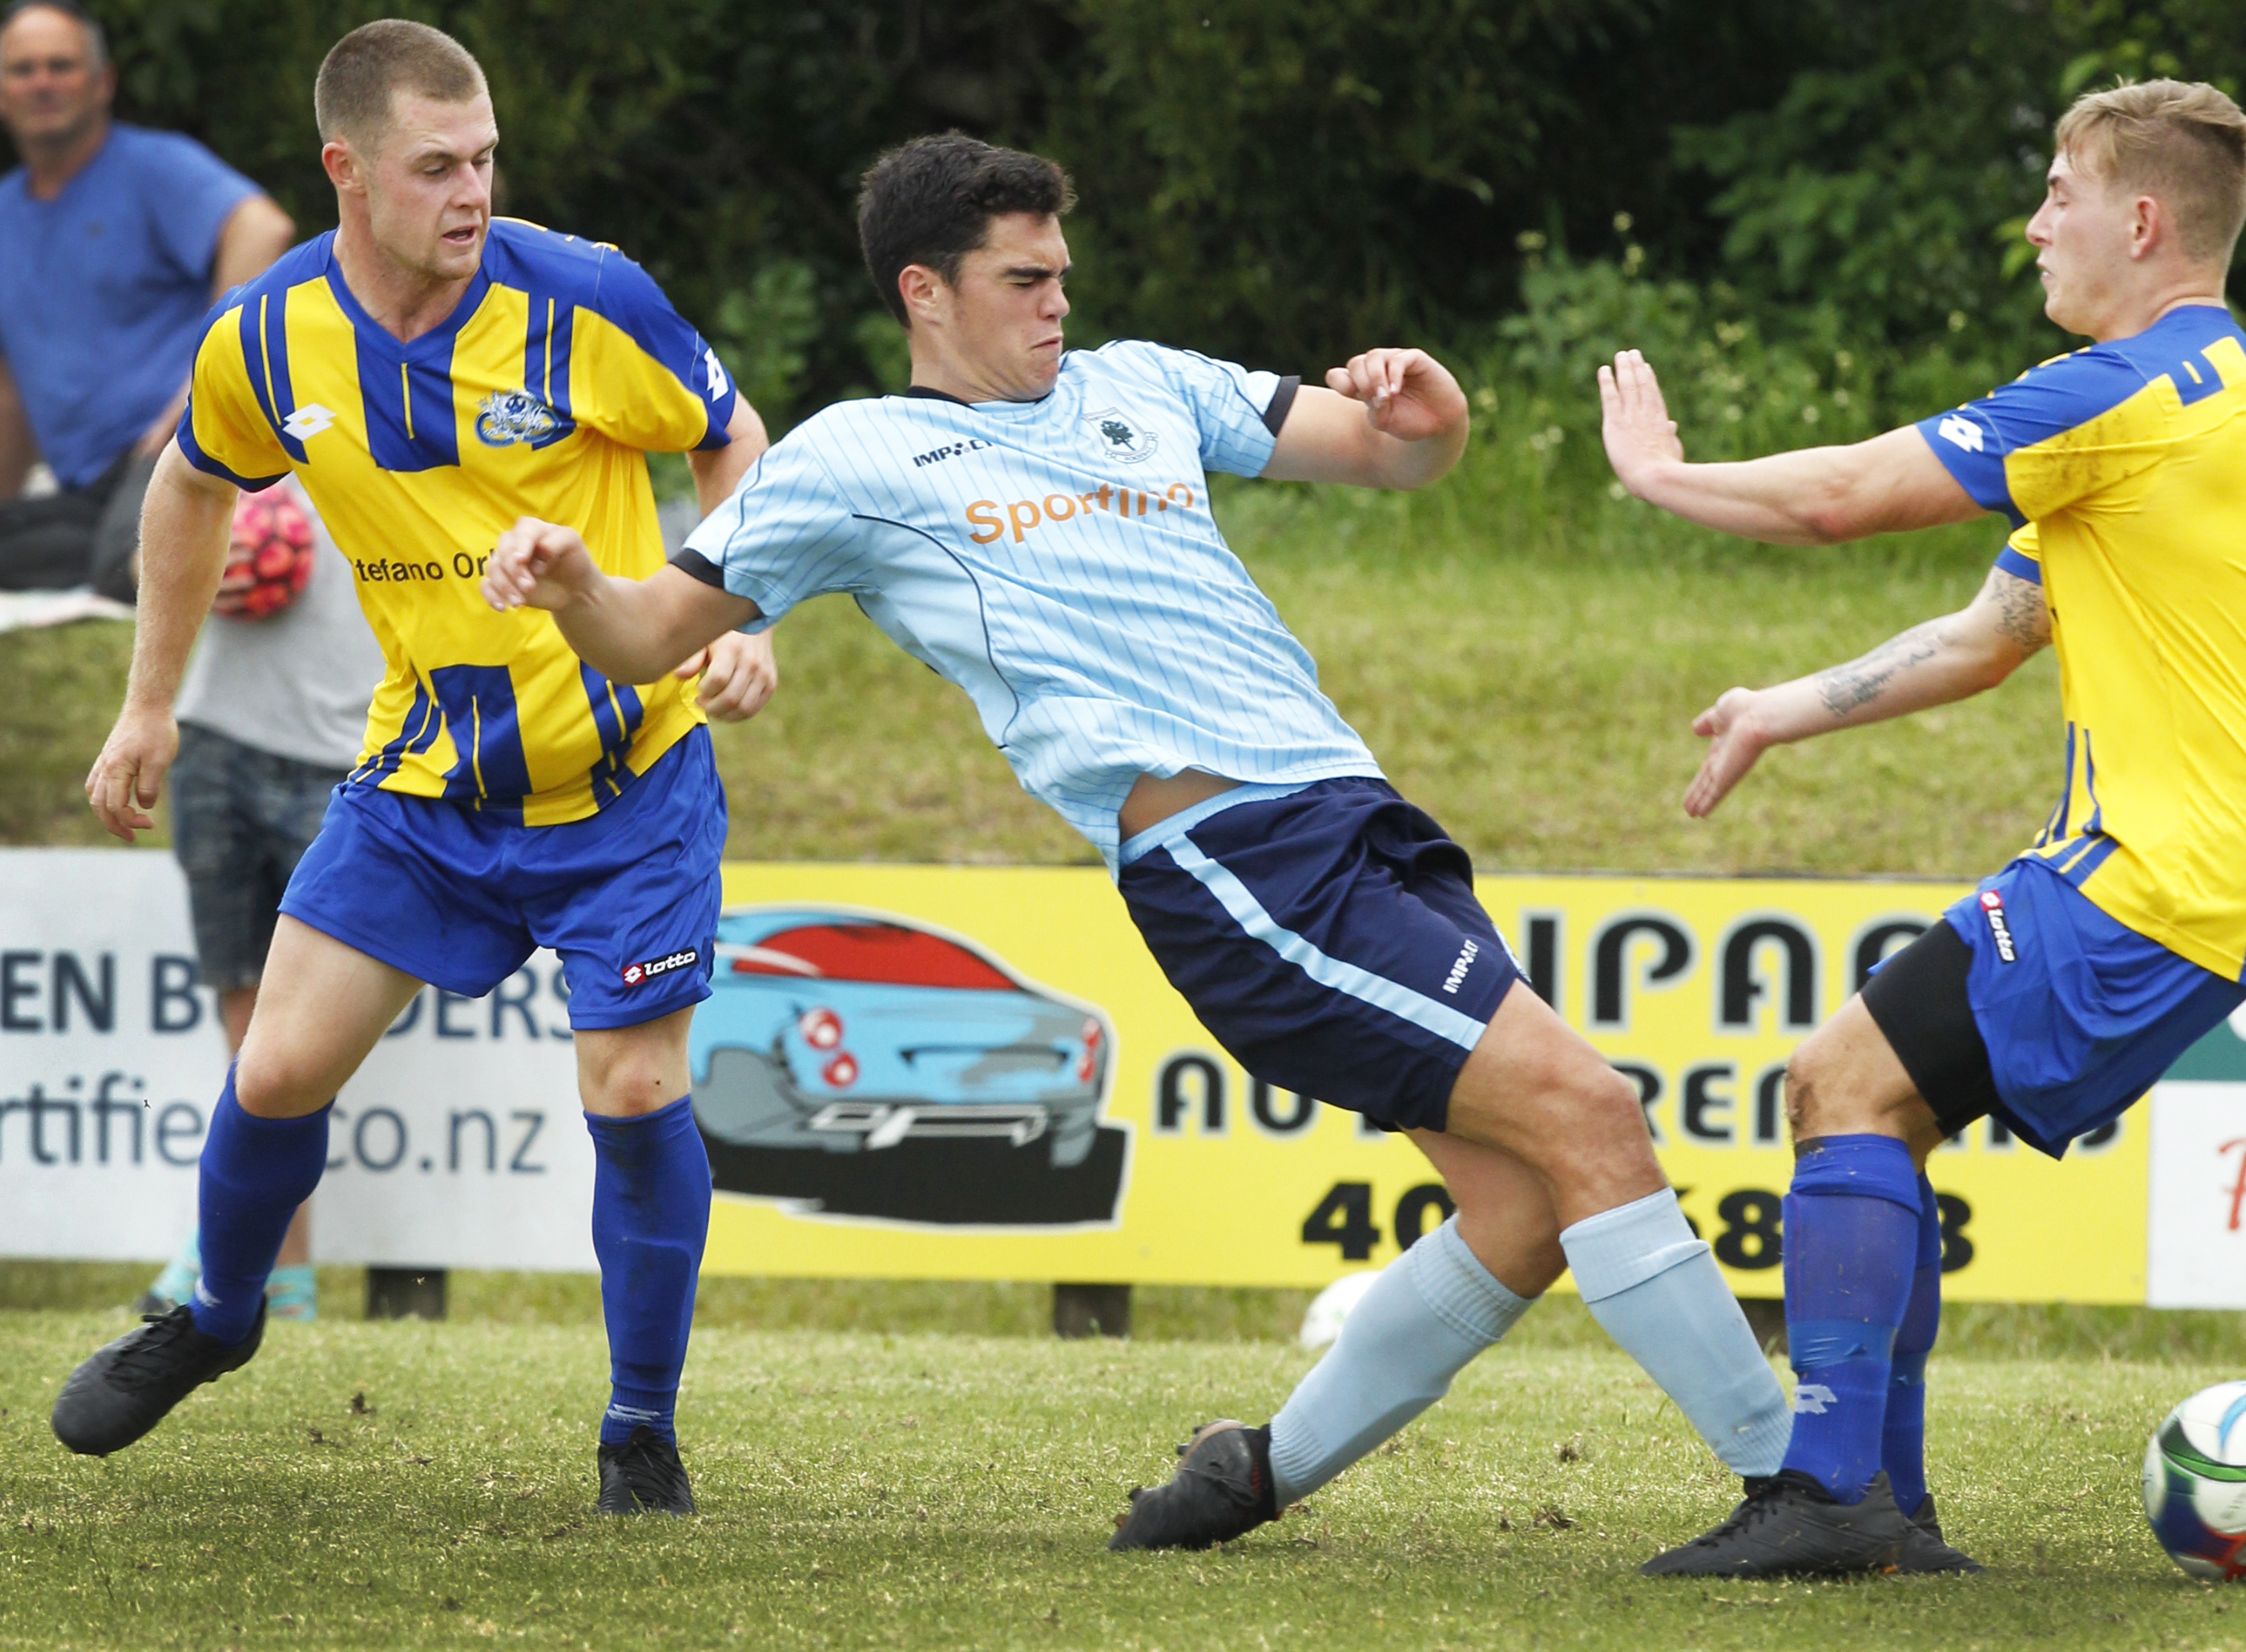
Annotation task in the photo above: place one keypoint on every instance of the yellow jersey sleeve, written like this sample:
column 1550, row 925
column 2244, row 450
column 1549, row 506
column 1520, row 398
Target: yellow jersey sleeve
column 225, row 431
column 2083, row 428
column 2021, row 557
column 638, row 373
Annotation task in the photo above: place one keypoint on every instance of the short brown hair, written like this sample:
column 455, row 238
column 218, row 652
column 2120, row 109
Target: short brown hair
column 2183, row 143
column 364, row 70
column 931, row 201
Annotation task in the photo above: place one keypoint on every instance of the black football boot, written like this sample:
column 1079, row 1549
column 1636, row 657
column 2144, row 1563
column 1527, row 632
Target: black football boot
column 1222, row 1490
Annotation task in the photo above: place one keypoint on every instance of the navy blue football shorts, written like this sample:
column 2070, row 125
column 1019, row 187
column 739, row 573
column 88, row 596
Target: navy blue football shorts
column 2031, row 1004
column 451, row 895
column 1328, row 936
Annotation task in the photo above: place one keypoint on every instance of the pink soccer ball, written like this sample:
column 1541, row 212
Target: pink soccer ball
column 268, row 555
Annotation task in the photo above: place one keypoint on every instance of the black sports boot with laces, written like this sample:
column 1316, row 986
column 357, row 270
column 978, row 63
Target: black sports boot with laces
column 1789, row 1526
column 1222, row 1490
column 1927, row 1550
column 123, row 1390
column 643, row 1476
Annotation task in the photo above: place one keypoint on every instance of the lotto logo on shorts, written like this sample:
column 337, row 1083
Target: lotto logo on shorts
column 636, row 973
column 1992, row 908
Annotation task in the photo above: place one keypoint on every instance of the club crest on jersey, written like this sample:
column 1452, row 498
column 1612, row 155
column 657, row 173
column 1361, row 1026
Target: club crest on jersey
column 1118, row 436
column 636, row 973
column 512, row 416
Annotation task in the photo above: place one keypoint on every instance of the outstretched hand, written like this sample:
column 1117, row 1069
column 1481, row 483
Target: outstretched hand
column 1407, row 393
column 1640, row 436
column 538, row 565
column 128, row 777
column 739, row 675
column 1735, row 741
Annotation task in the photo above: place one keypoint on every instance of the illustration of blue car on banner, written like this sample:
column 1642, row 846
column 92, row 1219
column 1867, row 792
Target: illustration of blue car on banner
column 865, row 1065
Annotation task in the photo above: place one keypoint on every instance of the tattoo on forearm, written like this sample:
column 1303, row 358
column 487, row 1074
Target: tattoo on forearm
column 2022, row 619
column 1844, row 688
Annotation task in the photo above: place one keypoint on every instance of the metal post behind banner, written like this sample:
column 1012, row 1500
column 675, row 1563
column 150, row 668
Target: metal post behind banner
column 1091, row 1310
column 406, row 1293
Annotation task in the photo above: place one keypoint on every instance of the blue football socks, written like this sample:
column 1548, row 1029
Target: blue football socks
column 1430, row 1312
column 253, row 1174
column 650, row 1216
column 1656, row 1291
column 1852, row 1240
column 1903, row 1437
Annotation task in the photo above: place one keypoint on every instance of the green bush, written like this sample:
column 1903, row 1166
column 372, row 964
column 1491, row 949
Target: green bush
column 1283, row 182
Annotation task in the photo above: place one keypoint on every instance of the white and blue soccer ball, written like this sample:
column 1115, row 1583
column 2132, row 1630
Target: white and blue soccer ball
column 2196, row 1483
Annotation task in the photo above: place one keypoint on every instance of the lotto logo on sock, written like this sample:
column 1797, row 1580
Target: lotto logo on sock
column 636, row 973
column 1992, row 908
column 1810, row 1399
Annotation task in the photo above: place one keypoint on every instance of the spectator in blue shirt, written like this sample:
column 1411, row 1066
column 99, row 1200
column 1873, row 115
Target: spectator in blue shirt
column 114, row 242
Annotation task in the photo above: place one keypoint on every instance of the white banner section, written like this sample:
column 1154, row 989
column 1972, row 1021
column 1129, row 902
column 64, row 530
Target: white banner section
column 458, row 1145
column 2195, row 1246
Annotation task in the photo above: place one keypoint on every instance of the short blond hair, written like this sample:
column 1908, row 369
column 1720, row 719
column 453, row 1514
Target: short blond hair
column 2183, row 143
column 364, row 70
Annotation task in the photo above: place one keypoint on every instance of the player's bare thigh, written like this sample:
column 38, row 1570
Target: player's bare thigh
column 321, row 1007
column 1504, row 1215
column 1534, row 1089
column 1845, row 1079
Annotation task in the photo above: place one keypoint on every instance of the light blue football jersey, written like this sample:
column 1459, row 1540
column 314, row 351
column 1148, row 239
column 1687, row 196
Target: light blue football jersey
column 1056, row 559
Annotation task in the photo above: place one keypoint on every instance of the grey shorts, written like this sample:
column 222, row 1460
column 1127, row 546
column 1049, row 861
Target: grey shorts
column 241, row 820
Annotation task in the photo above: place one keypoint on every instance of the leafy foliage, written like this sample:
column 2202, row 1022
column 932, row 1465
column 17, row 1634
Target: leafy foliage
column 1282, row 181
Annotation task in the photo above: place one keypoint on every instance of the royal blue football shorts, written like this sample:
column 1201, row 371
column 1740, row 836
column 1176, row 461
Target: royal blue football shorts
column 1328, row 936
column 628, row 897
column 2031, row 1004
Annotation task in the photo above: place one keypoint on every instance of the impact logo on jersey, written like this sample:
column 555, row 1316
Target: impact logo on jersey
column 634, row 973
column 1118, row 435
column 512, row 416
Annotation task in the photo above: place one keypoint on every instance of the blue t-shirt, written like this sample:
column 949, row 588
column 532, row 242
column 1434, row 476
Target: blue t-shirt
column 1056, row 559
column 103, row 290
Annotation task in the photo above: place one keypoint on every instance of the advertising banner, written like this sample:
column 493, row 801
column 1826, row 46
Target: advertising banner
column 459, row 1144
column 979, row 1072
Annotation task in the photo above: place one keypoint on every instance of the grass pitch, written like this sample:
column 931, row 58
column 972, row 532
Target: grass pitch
column 410, row 1485
column 1525, row 673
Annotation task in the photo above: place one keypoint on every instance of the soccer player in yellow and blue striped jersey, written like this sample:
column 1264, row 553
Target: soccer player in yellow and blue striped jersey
column 2057, row 992
column 432, row 377
column 562, row 365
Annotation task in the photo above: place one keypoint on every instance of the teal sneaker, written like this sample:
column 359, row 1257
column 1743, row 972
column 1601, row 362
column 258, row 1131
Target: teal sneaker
column 176, row 1284
column 292, row 1293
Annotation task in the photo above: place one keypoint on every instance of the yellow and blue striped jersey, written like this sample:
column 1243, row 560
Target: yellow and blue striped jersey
column 563, row 366
column 2123, row 468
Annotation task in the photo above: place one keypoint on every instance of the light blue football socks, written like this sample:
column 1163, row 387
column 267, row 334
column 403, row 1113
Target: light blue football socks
column 1430, row 1312
column 650, row 1217
column 1852, row 1242
column 1655, row 1289
column 254, row 1173
column 1902, row 1436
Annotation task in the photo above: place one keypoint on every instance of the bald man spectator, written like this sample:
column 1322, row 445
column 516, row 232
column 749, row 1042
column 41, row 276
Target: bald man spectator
column 114, row 242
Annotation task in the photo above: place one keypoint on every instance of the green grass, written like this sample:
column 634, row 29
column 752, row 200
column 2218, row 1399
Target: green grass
column 1524, row 666
column 1159, row 1313
column 937, row 1490
column 62, row 688
column 913, row 1463
column 1535, row 698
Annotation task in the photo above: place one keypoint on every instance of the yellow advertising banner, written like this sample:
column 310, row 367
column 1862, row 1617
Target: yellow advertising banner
column 979, row 1073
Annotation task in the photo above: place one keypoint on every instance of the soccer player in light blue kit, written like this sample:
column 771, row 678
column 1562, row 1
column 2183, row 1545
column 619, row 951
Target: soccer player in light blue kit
column 1035, row 525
